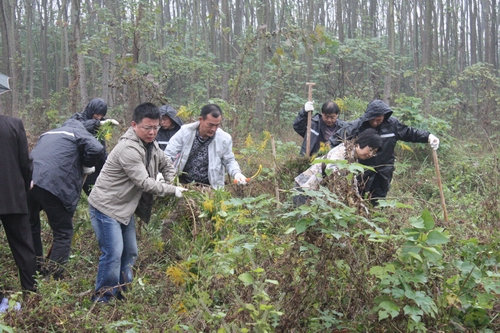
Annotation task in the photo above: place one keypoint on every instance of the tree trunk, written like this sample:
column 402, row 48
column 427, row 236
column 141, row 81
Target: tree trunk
column 226, row 48
column 194, row 43
column 310, row 29
column 415, row 39
column 260, row 97
column 427, row 39
column 390, row 42
column 486, row 30
column 352, row 14
column 28, row 68
column 8, row 66
column 74, row 91
column 473, row 32
column 373, row 17
column 448, row 41
column 44, row 61
column 494, row 35
column 133, row 87
column 238, row 25
column 480, row 45
column 340, row 21
column 461, row 49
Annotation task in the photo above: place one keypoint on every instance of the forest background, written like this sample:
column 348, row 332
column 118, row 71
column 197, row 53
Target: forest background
column 237, row 260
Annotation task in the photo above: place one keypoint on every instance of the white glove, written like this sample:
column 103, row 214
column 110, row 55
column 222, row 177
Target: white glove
column 433, row 142
column 88, row 170
column 112, row 121
column 160, row 178
column 179, row 190
column 240, row 179
column 309, row 106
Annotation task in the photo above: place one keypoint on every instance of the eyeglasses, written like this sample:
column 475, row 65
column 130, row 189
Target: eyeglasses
column 373, row 152
column 151, row 128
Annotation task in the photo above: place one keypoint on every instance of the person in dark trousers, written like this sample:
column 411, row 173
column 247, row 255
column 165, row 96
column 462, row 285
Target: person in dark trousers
column 15, row 179
column 61, row 158
column 92, row 118
column 170, row 123
column 323, row 125
column 378, row 115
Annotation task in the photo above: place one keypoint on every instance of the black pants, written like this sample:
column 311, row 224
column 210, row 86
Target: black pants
column 17, row 230
column 60, row 221
column 299, row 199
column 375, row 184
column 92, row 178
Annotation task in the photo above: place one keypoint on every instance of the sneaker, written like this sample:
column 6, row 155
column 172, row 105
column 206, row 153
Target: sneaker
column 100, row 299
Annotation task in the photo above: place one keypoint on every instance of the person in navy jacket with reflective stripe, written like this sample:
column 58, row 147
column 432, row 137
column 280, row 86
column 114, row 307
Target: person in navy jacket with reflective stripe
column 378, row 115
column 61, row 159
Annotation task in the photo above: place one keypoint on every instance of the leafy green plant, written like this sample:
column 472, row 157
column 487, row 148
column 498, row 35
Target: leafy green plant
column 404, row 283
column 262, row 311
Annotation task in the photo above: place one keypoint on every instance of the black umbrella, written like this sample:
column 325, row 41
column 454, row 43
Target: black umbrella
column 4, row 83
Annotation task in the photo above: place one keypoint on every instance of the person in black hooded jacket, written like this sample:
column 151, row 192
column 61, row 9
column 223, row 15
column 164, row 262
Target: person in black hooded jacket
column 61, row 158
column 378, row 115
column 170, row 123
column 92, row 118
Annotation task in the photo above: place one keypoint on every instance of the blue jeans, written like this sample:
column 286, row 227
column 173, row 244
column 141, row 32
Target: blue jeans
column 118, row 246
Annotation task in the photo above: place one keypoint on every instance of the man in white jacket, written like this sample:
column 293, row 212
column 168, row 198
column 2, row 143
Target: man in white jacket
column 202, row 152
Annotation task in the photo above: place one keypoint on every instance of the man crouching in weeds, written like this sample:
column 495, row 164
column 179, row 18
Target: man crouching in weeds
column 128, row 174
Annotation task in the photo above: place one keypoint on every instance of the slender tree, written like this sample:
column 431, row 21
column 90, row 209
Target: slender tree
column 390, row 46
column 8, row 53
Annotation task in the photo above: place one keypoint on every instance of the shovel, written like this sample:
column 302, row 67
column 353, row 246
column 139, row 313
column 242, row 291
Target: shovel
column 440, row 185
column 308, row 133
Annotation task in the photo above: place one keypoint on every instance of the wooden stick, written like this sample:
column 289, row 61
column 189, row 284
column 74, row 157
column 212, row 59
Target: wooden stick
column 440, row 185
column 276, row 188
column 308, row 132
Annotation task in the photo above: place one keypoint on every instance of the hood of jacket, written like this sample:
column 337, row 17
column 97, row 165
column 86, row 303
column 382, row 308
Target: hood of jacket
column 74, row 123
column 376, row 108
column 95, row 106
column 167, row 110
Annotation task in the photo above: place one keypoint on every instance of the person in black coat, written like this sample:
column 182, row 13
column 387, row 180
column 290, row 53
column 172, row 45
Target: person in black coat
column 170, row 123
column 61, row 158
column 15, row 179
column 323, row 125
column 378, row 115
column 92, row 118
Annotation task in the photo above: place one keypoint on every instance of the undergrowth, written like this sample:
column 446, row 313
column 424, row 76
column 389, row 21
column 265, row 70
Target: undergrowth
column 239, row 260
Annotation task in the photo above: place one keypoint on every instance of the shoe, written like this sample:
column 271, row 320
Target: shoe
column 103, row 299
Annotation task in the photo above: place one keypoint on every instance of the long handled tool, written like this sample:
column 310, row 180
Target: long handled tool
column 438, row 174
column 308, row 133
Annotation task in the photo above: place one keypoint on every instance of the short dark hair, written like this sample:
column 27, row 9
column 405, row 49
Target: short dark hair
column 370, row 138
column 213, row 109
column 330, row 107
column 145, row 110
